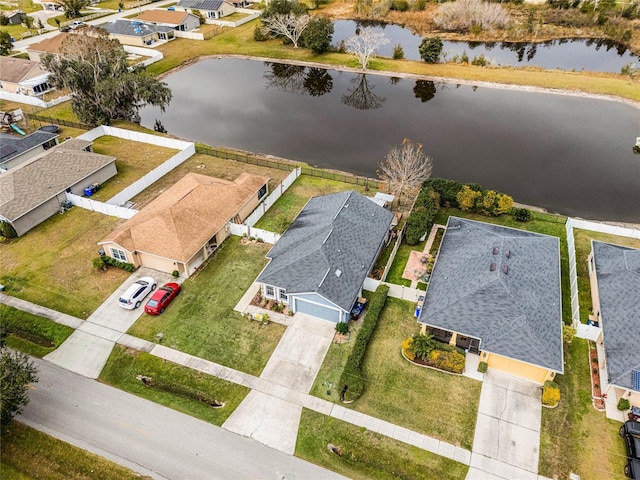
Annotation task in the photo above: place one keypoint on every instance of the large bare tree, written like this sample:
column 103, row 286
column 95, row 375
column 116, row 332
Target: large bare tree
column 365, row 44
column 405, row 168
column 290, row 25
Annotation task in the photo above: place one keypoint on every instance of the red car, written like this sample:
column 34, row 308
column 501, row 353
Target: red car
column 162, row 297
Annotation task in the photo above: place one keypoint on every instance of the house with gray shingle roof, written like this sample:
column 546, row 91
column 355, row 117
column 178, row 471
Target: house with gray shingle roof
column 319, row 265
column 34, row 190
column 495, row 291
column 136, row 33
column 15, row 150
column 614, row 272
column 212, row 9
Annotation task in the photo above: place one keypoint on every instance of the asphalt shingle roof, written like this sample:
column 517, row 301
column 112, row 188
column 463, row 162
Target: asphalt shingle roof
column 201, row 4
column 11, row 146
column 338, row 232
column 618, row 276
column 516, row 314
column 16, row 70
column 172, row 17
column 133, row 28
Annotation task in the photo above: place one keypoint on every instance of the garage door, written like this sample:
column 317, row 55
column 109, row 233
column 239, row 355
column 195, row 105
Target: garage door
column 316, row 310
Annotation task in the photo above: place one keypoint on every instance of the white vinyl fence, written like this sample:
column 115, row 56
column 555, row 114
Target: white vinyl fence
column 189, row 35
column 152, row 55
column 104, row 208
column 273, row 196
column 251, row 15
column 29, row 100
column 187, row 149
column 257, row 233
column 573, row 276
column 395, row 291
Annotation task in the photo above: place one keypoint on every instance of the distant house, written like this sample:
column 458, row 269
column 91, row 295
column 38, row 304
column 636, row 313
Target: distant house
column 614, row 272
column 14, row 17
column 50, row 45
column 212, row 9
column 183, row 226
column 33, row 191
column 495, row 291
column 181, row 21
column 319, row 265
column 15, row 150
column 25, row 77
column 135, row 33
column 52, row 5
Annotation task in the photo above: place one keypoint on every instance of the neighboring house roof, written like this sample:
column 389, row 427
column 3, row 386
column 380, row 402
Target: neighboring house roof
column 202, row 4
column 50, row 45
column 183, row 218
column 16, row 70
column 618, row 277
column 34, row 182
column 12, row 146
column 133, row 28
column 163, row 16
column 517, row 314
column 329, row 248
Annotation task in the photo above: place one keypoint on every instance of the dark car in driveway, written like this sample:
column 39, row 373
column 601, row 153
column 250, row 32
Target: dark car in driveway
column 630, row 431
column 632, row 469
column 162, row 298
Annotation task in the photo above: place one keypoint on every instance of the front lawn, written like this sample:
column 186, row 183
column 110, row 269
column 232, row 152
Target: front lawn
column 29, row 454
column 175, row 386
column 30, row 333
column 574, row 437
column 202, row 322
column 434, row 403
column 368, row 455
column 287, row 207
column 51, row 264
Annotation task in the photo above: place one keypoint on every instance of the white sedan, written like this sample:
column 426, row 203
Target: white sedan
column 134, row 295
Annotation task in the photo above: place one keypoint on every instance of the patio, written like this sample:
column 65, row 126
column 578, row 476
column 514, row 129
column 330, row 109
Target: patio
column 420, row 263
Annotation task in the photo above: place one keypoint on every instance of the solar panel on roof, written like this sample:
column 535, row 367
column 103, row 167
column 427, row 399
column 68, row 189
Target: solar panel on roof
column 635, row 380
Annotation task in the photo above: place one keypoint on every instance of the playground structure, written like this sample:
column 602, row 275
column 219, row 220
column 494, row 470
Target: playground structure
column 8, row 121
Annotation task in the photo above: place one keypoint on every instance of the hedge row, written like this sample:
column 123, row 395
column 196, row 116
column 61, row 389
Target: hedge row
column 352, row 378
column 421, row 218
column 127, row 267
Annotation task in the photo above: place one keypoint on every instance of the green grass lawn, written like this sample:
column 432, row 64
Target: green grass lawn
column 29, row 454
column 51, row 264
column 181, row 385
column 368, row 455
column 30, row 333
column 583, row 249
column 287, row 207
column 202, row 322
column 574, row 437
column 394, row 387
column 400, row 262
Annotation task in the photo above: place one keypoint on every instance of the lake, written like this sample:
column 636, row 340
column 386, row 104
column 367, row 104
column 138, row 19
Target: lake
column 570, row 155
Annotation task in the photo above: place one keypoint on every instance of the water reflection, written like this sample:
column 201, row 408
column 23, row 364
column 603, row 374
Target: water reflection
column 361, row 95
column 296, row 79
column 425, row 90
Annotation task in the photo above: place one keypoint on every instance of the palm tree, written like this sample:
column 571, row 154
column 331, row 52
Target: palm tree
column 423, row 345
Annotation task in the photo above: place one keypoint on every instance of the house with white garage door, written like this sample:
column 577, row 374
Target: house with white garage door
column 319, row 265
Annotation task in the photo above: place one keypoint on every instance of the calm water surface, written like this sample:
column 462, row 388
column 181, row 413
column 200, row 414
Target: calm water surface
column 569, row 155
column 566, row 54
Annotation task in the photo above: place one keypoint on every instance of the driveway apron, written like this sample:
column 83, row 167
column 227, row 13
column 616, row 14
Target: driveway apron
column 507, row 439
column 294, row 364
column 88, row 348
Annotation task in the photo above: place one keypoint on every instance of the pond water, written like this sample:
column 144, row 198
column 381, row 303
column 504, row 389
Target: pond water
column 566, row 54
column 567, row 154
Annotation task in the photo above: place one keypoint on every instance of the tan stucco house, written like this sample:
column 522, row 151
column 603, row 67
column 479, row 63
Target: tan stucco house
column 614, row 273
column 34, row 190
column 181, row 21
column 183, row 226
column 495, row 291
column 210, row 9
column 26, row 77
column 49, row 45
column 138, row 34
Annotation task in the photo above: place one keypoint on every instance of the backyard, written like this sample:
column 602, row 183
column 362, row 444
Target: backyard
column 434, row 403
column 202, row 322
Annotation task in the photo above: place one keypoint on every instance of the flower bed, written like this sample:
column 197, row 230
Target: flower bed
column 438, row 355
column 421, row 363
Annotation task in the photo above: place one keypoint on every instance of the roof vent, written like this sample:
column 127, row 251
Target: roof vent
column 495, row 250
column 338, row 272
column 493, row 267
column 505, row 269
column 507, row 254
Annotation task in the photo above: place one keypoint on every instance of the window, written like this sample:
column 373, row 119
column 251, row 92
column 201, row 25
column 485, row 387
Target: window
column 269, row 292
column 262, row 192
column 118, row 254
column 283, row 296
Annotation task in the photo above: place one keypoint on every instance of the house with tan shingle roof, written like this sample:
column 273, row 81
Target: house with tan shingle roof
column 48, row 45
column 34, row 191
column 181, row 21
column 181, row 228
column 25, row 77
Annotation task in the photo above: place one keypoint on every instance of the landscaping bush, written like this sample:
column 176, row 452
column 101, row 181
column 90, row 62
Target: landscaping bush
column 342, row 328
column 400, row 5
column 447, row 189
column 406, row 348
column 421, row 218
column 98, row 263
column 352, row 381
column 624, row 404
column 550, row 394
column 175, row 274
column 127, row 267
column 398, row 52
column 7, row 230
column 448, row 361
column 482, row 367
column 522, row 214
column 486, row 202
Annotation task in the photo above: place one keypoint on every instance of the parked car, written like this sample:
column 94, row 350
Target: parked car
column 632, row 469
column 630, row 431
column 76, row 24
column 162, row 298
column 134, row 295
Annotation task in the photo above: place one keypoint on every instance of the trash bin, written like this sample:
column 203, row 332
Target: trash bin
column 88, row 191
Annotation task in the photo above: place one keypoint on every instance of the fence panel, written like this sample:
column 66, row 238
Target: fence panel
column 573, row 274
column 238, row 229
column 271, row 199
column 104, row 208
column 189, row 35
column 30, row 100
column 370, row 284
column 404, row 293
column 604, row 228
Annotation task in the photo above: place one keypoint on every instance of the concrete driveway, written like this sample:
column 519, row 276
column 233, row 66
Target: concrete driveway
column 507, row 439
column 88, row 348
column 294, row 364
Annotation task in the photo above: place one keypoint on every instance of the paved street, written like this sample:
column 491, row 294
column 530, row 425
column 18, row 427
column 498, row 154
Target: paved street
column 149, row 438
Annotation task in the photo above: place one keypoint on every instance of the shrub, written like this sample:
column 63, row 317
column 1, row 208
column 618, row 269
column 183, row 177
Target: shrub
column 420, row 5
column 449, row 361
column 421, row 218
column 352, row 376
column 465, row 15
column 467, row 198
column 261, row 34
column 127, row 267
column 624, row 404
column 522, row 214
column 482, row 367
column 318, row 34
column 342, row 328
column 447, row 189
column 7, row 230
column 399, row 5
column 175, row 274
column 422, row 345
column 398, row 52
column 406, row 348
column 550, row 394
column 99, row 264
column 431, row 49
column 480, row 61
